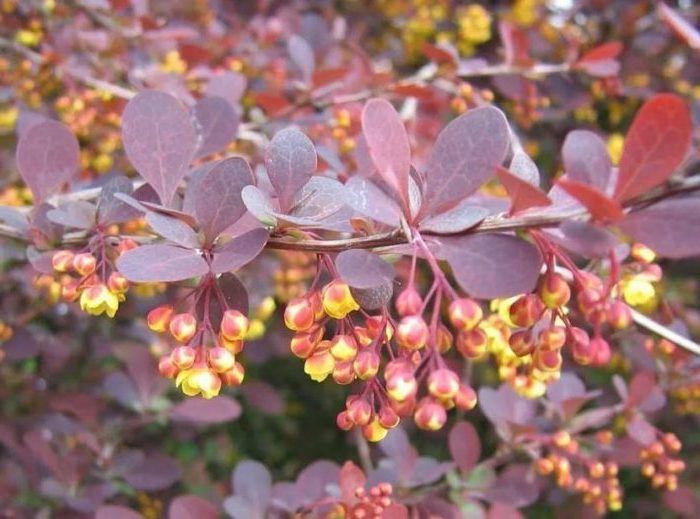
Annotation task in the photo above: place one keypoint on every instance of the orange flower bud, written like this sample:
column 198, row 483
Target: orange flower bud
column 473, row 344
column 343, row 373
column 337, row 300
column 62, row 261
column 412, row 332
column 343, row 421
column 388, row 418
column 375, row 324
column 316, row 304
column 167, row 368
column 401, row 384
column 443, row 383
column 409, row 302
column 183, row 356
column 601, row 351
column 69, row 290
column 429, row 415
column 672, row 442
column 343, row 347
column 589, row 299
column 234, row 376
column 359, row 410
column 522, row 343
column 366, row 364
column 580, row 344
column 554, row 291
column 465, row 399
column 320, row 364
column 561, row 439
column 183, row 327
column 619, row 315
column 547, row 360
column 465, row 314
column 234, row 325
column 84, row 263
column 220, row 359
column 551, row 338
column 117, row 283
column 526, row 310
column 159, row 318
column 235, row 346
column 444, row 339
column 299, row 314
column 642, row 253
column 303, row 344
column 544, row 466
column 126, row 244
column 374, row 431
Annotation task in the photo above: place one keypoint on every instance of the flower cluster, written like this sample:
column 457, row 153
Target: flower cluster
column 660, row 462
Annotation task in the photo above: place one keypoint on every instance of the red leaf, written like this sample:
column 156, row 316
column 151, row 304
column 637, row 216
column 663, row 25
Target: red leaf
column 388, row 146
column 600, row 206
column 655, row 146
column 679, row 25
column 523, row 195
column 515, row 44
column 418, row 91
column 438, row 54
column 116, row 512
column 351, row 478
column 606, row 51
column 465, row 446
column 640, row 387
column 328, row 75
column 601, row 61
column 273, row 104
column 186, row 507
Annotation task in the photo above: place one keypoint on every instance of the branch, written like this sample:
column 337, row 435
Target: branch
column 661, row 330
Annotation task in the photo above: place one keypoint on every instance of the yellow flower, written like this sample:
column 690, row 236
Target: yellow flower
column 199, row 380
column 98, row 299
column 639, row 291
column 337, row 300
column 319, row 365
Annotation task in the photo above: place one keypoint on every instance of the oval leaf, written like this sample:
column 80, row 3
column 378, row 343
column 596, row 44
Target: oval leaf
column 523, row 195
column 290, row 161
column 465, row 446
column 601, row 208
column 240, row 251
column 216, row 123
column 48, row 155
column 586, row 159
column 368, row 199
column 460, row 218
column 187, row 507
column 159, row 140
column 154, row 263
column 362, row 269
column 173, row 229
column 202, row 411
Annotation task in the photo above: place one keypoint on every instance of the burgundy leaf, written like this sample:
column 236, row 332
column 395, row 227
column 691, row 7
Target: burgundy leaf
column 586, row 239
column 374, row 298
column 253, row 482
column 314, row 479
column 362, row 269
column 291, row 161
column 586, row 159
column 592, row 419
column 218, row 203
column 601, row 208
column 205, row 412
column 458, row 219
column 187, row 507
column 669, row 227
column 684, row 501
column 503, row 406
column 640, row 387
column 515, row 43
column 229, row 85
column 641, row 431
column 155, row 472
column 488, row 266
column 516, row 486
column 465, row 446
column 116, row 512
column 351, row 478
column 111, row 209
column 523, row 195
column 235, row 296
column 240, row 251
column 464, row 156
column 369, row 200
column 601, row 61
column 173, row 229
column 216, row 123
column 263, row 397
column 122, row 389
column 159, row 140
column 388, row 146
column 48, row 155
column 302, row 55
column 154, row 263
column 679, row 25
column 655, row 145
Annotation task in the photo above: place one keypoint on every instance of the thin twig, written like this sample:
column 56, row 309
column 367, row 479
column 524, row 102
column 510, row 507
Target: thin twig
column 665, row 332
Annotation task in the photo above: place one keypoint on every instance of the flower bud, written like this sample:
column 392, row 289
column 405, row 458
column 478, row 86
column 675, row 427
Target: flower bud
column 551, row 338
column 209, row 384
column 525, row 311
column 580, row 344
column 472, row 344
column 373, row 431
column 98, row 299
column 234, row 376
column 343, row 347
column 84, row 263
column 444, row 339
column 299, row 314
column 375, row 325
column 183, row 327
column 388, row 418
column 62, row 261
column 409, row 302
column 234, row 325
column 359, row 410
column 547, row 360
column 366, row 364
column 343, row 373
column 117, row 283
column 320, row 364
column 183, row 357
column 465, row 399
column 303, row 344
column 522, row 343
column 554, row 290
column 619, row 315
column 159, row 318
column 220, row 359
column 337, row 300
column 69, row 290
column 235, row 347
column 601, row 351
column 126, row 244
column 465, row 314
column 429, row 415
column 166, row 367
column 401, row 384
column 443, row 383
column 343, row 421
column 642, row 253
column 412, row 332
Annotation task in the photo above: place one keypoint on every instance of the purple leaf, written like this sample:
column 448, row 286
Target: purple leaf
column 235, row 296
column 319, row 198
column 252, row 481
column 592, row 419
column 458, row 219
column 313, row 480
column 524, row 167
column 216, row 123
column 586, row 159
column 48, row 155
column 218, row 203
column 259, row 205
column 290, row 161
column 369, row 200
column 669, row 227
column 516, row 486
column 466, row 153
column 205, row 412
column 155, row 472
column 302, row 55
column 153, row 263
column 122, row 389
column 141, row 366
column 362, row 269
column 263, row 397
column 586, row 239
column 388, row 146
column 229, row 85
column 240, row 251
column 374, row 298
column 397, row 447
column 503, row 407
column 465, row 446
column 111, row 209
column 173, row 229
column 159, row 140
column 641, row 431
column 116, row 512
column 187, row 507
column 488, row 266
column 14, row 218
column 78, row 213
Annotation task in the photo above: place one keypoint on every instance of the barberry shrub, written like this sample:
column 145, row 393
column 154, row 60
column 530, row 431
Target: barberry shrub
column 427, row 242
